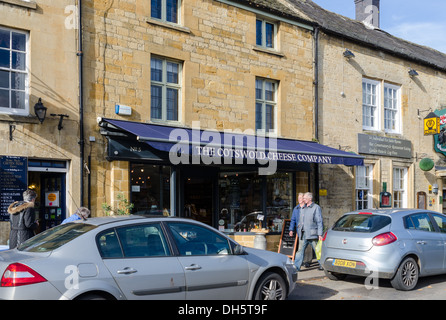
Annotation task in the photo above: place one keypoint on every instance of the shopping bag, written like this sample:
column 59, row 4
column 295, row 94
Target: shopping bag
column 318, row 250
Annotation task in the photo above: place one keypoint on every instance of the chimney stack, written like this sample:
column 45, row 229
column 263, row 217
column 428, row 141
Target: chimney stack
column 367, row 11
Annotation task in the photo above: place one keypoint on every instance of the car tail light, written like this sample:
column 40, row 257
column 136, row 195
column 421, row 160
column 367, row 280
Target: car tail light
column 384, row 239
column 18, row 274
column 324, row 236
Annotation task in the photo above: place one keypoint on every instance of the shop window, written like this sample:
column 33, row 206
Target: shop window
column 242, row 201
column 150, row 186
column 399, row 187
column 301, row 183
column 363, row 194
column 279, row 200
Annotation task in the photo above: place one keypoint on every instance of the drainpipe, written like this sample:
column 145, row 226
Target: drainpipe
column 81, row 103
column 316, row 83
column 316, row 108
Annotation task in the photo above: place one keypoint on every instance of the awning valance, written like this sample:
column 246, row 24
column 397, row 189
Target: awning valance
column 198, row 142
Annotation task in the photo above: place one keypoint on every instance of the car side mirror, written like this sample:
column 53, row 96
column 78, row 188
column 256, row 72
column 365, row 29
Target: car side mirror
column 238, row 250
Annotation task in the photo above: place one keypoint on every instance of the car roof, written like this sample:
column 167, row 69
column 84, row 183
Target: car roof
column 98, row 221
column 391, row 211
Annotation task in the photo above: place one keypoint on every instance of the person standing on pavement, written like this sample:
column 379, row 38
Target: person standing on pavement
column 309, row 229
column 81, row 214
column 296, row 213
column 22, row 219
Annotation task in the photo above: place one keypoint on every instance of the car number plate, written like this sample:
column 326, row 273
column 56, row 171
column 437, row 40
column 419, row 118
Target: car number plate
column 344, row 263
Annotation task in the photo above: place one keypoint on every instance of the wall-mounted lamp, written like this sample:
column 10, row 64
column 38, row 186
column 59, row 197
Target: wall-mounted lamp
column 61, row 116
column 413, row 73
column 40, row 110
column 348, row 54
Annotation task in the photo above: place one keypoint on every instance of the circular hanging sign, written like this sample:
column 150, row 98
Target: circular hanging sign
column 426, row 164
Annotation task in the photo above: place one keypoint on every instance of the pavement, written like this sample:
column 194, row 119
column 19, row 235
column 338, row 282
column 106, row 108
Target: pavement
column 310, row 273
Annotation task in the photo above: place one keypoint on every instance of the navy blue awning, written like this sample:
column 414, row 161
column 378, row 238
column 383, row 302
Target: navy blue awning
column 215, row 144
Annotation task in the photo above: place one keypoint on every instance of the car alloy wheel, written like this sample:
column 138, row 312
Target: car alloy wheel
column 406, row 277
column 271, row 286
column 409, row 273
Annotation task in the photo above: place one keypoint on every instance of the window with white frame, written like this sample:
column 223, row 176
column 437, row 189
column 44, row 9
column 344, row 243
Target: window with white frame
column 392, row 112
column 364, row 187
column 370, row 104
column 13, row 72
column 265, row 34
column 165, row 89
column 399, row 187
column 266, row 105
column 166, row 10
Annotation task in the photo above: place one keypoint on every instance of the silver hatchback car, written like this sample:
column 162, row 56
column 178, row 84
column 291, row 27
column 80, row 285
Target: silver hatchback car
column 397, row 244
column 135, row 257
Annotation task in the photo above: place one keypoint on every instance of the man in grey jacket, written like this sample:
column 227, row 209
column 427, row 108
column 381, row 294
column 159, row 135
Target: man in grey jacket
column 310, row 228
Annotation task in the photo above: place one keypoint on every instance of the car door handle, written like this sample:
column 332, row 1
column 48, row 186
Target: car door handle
column 421, row 242
column 127, row 271
column 193, row 267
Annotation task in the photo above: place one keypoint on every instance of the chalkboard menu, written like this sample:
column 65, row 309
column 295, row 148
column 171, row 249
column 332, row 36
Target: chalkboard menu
column 13, row 182
column 288, row 244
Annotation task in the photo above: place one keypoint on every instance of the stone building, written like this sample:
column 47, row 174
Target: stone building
column 38, row 62
column 320, row 93
column 202, row 68
column 374, row 90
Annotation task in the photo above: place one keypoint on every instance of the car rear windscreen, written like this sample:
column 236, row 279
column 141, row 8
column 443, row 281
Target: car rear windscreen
column 361, row 223
column 54, row 238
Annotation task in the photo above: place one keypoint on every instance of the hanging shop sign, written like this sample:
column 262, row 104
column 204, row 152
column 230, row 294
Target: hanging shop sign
column 440, row 138
column 431, row 124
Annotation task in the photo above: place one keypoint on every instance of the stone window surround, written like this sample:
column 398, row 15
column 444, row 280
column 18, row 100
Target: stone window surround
column 21, row 3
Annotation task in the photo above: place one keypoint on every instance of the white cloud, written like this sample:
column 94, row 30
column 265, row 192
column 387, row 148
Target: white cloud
column 429, row 34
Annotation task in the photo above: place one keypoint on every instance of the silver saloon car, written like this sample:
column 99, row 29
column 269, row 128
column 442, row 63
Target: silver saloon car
column 397, row 244
column 135, row 257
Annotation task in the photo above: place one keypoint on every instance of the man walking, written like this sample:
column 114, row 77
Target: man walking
column 296, row 213
column 310, row 228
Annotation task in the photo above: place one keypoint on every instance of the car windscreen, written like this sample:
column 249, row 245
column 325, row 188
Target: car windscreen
column 366, row 223
column 56, row 237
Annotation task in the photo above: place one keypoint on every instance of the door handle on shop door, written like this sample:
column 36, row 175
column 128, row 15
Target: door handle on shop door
column 127, row 270
column 193, row 267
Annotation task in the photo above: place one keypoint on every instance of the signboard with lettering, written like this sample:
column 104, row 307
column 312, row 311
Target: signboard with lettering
column 13, row 182
column 440, row 138
column 431, row 124
column 288, row 244
column 119, row 148
column 52, row 199
column 384, row 146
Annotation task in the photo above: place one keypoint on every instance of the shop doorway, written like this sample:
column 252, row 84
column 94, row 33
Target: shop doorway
column 199, row 194
column 51, row 205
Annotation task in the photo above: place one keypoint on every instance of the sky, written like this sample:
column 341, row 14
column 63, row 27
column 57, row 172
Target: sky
column 421, row 22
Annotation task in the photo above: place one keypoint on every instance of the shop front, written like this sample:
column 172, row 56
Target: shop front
column 239, row 185
column 46, row 177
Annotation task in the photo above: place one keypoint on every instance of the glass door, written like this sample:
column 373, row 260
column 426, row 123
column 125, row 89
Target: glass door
column 52, row 209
